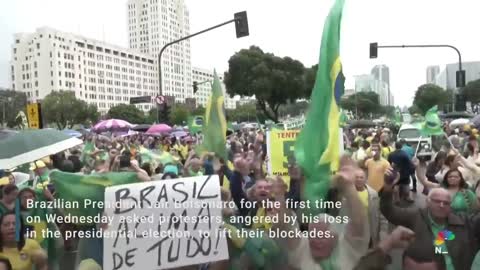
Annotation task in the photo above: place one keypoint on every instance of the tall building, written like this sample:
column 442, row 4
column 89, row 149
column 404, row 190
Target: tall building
column 98, row 73
column 367, row 83
column 432, row 73
column 151, row 25
column 204, row 78
column 381, row 73
column 447, row 77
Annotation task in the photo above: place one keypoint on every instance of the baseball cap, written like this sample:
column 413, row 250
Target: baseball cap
column 37, row 165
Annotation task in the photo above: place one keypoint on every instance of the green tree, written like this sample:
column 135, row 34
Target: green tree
column 273, row 80
column 87, row 115
column 414, row 109
column 310, row 76
column 12, row 102
column 429, row 95
column 472, row 91
column 127, row 112
column 179, row 114
column 365, row 103
column 65, row 110
column 199, row 111
column 244, row 113
column 151, row 116
column 388, row 111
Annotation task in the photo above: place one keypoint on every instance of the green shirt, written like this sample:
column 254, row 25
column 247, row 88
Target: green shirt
column 436, row 229
column 463, row 201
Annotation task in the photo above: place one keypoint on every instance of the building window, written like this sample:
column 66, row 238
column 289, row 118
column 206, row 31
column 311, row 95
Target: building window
column 36, row 74
column 51, row 83
column 36, row 93
column 60, row 82
column 38, row 46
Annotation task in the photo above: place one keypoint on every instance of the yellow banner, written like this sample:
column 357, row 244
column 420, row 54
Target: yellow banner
column 33, row 114
column 280, row 149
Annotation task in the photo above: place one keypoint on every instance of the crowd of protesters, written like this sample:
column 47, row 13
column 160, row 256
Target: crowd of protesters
column 376, row 185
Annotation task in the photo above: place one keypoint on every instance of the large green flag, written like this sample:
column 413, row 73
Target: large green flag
column 215, row 125
column 317, row 149
column 76, row 188
column 432, row 125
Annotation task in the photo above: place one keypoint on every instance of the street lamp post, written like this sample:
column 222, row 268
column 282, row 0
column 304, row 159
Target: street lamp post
column 4, row 101
column 460, row 75
column 241, row 27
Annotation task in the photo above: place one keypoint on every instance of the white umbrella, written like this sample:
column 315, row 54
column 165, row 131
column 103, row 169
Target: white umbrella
column 459, row 122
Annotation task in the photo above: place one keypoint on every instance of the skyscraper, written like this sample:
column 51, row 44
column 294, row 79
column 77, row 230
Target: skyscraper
column 382, row 73
column 151, row 25
column 432, row 73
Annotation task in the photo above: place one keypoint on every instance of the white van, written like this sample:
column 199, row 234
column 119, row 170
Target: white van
column 411, row 134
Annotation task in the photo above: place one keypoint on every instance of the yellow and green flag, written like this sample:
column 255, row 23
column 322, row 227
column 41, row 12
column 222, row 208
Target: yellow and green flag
column 76, row 188
column 195, row 124
column 317, row 149
column 215, row 125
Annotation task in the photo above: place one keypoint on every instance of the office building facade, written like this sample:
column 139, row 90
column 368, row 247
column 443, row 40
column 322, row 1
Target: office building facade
column 98, row 73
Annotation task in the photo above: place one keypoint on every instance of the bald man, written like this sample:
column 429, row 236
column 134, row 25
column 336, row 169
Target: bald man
column 431, row 223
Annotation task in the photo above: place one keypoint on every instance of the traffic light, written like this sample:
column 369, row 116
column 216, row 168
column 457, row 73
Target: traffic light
column 373, row 50
column 195, row 87
column 241, row 24
column 460, row 78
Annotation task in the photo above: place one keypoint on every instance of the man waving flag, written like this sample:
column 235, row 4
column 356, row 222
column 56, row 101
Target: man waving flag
column 318, row 149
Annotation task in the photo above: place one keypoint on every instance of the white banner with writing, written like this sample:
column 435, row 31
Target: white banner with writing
column 164, row 224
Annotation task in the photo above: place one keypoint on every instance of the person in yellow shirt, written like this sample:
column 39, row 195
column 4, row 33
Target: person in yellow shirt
column 376, row 168
column 24, row 254
column 386, row 149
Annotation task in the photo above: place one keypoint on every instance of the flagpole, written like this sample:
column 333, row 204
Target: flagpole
column 418, row 145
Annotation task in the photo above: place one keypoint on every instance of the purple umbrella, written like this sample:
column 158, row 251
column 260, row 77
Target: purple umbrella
column 112, row 125
column 160, row 128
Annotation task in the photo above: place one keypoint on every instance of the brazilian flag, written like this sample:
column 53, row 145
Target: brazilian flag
column 322, row 125
column 156, row 158
column 195, row 124
column 215, row 126
column 71, row 187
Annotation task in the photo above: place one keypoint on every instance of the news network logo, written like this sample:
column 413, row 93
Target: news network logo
column 443, row 236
